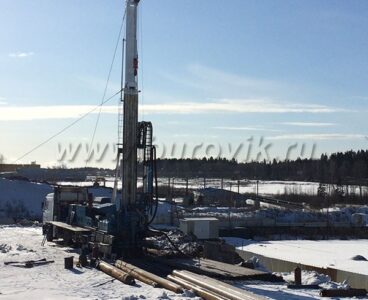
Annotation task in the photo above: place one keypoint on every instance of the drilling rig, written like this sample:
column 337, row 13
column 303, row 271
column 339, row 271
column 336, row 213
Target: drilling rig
column 134, row 207
column 118, row 227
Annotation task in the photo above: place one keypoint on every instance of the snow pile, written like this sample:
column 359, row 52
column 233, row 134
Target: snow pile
column 22, row 199
column 359, row 258
column 254, row 260
column 314, row 278
column 308, row 277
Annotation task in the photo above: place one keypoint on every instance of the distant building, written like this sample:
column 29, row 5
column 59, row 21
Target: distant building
column 214, row 196
column 16, row 167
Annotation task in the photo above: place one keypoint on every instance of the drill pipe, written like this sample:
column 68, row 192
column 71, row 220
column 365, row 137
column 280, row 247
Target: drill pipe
column 216, row 286
column 116, row 273
column 136, row 275
column 201, row 292
column 162, row 282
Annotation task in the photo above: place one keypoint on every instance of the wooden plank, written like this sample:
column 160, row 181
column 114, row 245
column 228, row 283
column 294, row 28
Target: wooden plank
column 69, row 227
column 219, row 270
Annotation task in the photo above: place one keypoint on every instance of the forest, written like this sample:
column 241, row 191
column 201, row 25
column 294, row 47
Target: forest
column 350, row 167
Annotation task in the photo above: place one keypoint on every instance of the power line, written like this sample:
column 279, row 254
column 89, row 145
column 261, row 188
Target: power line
column 65, row 128
column 106, row 86
column 103, row 101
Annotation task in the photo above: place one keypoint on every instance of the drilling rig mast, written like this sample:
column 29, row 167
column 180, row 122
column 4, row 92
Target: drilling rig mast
column 121, row 226
column 134, row 207
column 129, row 165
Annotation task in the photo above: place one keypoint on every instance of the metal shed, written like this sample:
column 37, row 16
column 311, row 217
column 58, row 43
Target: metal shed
column 202, row 228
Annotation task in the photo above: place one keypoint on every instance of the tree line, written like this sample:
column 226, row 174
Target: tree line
column 337, row 168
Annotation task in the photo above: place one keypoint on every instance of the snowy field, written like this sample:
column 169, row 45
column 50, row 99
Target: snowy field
column 52, row 281
column 22, row 199
column 249, row 186
column 337, row 254
column 246, row 186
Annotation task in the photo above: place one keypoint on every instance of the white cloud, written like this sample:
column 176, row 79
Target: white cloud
column 219, row 83
column 21, row 54
column 28, row 113
column 317, row 136
column 207, row 74
column 3, row 101
column 14, row 113
column 237, row 106
column 245, row 128
column 308, row 124
column 239, row 128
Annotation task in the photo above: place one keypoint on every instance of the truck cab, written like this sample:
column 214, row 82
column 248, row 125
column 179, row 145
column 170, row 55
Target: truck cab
column 56, row 204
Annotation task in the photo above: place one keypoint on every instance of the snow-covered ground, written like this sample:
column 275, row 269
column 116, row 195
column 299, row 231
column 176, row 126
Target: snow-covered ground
column 52, row 281
column 339, row 216
column 267, row 187
column 337, row 254
column 22, row 198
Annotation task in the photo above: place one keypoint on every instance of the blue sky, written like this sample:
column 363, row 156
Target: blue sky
column 214, row 75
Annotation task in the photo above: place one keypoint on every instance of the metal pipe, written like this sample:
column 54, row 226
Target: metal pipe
column 159, row 280
column 129, row 165
column 116, row 273
column 136, row 275
column 226, row 287
column 343, row 293
column 223, row 289
column 201, row 292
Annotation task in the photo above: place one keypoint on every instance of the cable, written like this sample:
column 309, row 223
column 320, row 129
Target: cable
column 89, row 112
column 106, row 86
column 156, row 185
column 65, row 128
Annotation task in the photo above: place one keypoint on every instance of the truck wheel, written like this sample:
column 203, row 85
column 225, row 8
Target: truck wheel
column 49, row 233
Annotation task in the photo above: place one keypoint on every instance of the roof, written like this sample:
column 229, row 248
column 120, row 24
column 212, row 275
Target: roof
column 199, row 219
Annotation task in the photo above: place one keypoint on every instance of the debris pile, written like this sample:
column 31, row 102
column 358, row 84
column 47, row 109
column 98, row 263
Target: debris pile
column 5, row 248
column 176, row 242
column 314, row 278
column 359, row 258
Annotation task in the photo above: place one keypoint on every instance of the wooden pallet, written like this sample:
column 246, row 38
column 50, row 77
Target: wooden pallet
column 66, row 226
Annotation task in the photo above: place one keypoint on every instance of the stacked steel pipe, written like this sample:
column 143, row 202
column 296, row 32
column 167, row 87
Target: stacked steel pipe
column 116, row 273
column 214, row 289
column 203, row 286
column 148, row 277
